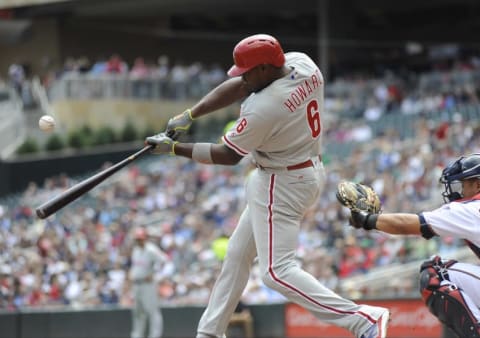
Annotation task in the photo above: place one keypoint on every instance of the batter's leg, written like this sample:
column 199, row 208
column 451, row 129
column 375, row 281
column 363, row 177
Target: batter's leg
column 231, row 282
column 277, row 210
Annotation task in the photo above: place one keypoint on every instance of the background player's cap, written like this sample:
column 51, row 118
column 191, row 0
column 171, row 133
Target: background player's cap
column 256, row 50
column 140, row 233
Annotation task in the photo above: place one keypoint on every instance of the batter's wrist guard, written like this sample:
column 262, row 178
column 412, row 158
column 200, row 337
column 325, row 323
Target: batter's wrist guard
column 172, row 152
column 202, row 152
column 188, row 112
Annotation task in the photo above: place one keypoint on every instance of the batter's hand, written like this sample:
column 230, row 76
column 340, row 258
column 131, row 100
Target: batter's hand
column 163, row 144
column 179, row 124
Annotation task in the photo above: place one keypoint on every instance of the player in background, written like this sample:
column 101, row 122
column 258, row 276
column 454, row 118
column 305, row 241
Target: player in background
column 145, row 259
column 450, row 289
column 280, row 127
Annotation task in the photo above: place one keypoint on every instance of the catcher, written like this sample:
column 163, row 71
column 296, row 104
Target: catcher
column 448, row 288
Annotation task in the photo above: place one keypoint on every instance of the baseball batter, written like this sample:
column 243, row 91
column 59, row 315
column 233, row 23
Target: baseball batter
column 146, row 308
column 450, row 289
column 280, row 126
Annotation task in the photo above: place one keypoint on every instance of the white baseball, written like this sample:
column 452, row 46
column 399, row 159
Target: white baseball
column 46, row 123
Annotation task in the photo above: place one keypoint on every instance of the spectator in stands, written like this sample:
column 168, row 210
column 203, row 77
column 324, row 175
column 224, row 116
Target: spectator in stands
column 139, row 70
column 194, row 72
column 162, row 73
column 83, row 65
column 69, row 65
column 107, row 293
column 179, row 80
column 116, row 65
column 16, row 74
column 99, row 67
column 373, row 110
column 140, row 75
column 55, row 292
column 5, row 286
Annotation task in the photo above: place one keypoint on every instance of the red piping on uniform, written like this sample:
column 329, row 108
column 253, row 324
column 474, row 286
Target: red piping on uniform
column 234, row 147
column 270, row 260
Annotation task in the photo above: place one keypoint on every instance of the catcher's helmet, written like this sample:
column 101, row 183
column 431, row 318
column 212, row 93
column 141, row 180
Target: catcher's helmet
column 463, row 168
column 256, row 50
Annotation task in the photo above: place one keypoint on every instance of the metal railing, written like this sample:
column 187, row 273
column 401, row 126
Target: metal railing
column 12, row 122
column 108, row 86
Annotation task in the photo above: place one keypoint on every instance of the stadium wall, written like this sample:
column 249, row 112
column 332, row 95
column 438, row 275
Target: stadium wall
column 115, row 113
column 179, row 322
column 72, row 114
column 410, row 318
column 39, row 51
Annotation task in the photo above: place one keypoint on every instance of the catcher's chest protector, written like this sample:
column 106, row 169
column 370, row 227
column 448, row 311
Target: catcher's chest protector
column 445, row 301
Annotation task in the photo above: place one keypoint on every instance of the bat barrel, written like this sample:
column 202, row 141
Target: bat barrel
column 58, row 202
column 40, row 213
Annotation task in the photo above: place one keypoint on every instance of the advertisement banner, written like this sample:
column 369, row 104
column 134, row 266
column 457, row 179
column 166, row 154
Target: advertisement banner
column 409, row 319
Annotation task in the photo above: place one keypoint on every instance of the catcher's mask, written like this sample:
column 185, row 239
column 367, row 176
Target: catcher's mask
column 463, row 168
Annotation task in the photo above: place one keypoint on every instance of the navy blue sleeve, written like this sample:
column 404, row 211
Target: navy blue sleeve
column 425, row 229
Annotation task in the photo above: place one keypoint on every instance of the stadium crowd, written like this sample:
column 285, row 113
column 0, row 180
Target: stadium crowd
column 407, row 92
column 140, row 80
column 79, row 256
column 358, row 95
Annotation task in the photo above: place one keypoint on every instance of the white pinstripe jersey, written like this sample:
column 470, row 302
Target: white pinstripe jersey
column 281, row 124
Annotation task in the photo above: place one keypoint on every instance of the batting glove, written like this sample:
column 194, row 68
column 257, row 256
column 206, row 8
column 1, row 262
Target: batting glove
column 179, row 124
column 163, row 144
column 363, row 219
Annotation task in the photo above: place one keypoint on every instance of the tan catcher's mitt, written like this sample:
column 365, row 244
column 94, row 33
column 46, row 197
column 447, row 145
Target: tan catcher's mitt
column 358, row 197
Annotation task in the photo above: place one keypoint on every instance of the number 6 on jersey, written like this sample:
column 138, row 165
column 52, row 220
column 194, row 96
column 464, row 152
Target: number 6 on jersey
column 313, row 118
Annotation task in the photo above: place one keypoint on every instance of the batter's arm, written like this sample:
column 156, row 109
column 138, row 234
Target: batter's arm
column 220, row 153
column 223, row 95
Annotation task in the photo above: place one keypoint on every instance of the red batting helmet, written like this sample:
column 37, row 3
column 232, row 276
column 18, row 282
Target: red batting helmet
column 256, row 50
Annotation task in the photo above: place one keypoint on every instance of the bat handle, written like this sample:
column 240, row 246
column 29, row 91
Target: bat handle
column 147, row 147
column 171, row 134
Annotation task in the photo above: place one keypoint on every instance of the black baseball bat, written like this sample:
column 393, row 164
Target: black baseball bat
column 58, row 202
